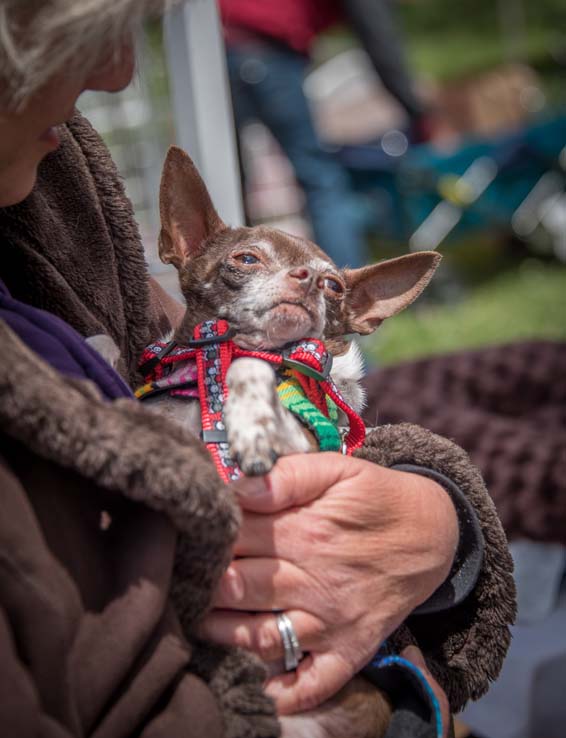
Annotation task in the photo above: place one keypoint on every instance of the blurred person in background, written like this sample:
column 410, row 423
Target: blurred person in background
column 268, row 48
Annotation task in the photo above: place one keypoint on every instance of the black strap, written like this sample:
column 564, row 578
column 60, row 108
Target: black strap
column 468, row 561
column 148, row 366
column 221, row 338
column 413, row 714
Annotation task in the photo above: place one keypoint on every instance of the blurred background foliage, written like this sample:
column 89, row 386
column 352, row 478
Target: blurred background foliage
column 448, row 40
column 493, row 287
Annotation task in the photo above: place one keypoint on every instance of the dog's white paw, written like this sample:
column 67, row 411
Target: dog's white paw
column 259, row 429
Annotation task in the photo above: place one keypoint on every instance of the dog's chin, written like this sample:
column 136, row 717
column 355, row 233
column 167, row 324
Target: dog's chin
column 288, row 322
column 282, row 324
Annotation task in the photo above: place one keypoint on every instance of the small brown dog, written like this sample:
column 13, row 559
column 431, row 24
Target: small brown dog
column 273, row 289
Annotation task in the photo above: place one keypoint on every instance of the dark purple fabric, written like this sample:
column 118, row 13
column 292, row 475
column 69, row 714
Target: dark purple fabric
column 60, row 345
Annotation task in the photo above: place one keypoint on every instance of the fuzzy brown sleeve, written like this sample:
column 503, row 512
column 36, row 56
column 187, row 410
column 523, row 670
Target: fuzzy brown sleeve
column 464, row 646
column 126, row 448
column 235, row 678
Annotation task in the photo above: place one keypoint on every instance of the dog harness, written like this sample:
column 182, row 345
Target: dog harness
column 199, row 369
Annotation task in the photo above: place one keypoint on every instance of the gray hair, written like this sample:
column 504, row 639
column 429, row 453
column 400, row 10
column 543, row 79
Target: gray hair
column 39, row 38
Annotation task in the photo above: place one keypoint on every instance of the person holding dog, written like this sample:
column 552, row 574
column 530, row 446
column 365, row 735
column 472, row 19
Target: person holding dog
column 116, row 531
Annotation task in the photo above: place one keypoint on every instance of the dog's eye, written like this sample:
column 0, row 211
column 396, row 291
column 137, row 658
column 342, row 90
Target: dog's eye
column 247, row 258
column 334, row 285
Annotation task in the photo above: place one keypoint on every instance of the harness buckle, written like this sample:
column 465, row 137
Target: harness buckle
column 214, row 436
column 160, row 353
column 197, row 342
column 309, row 371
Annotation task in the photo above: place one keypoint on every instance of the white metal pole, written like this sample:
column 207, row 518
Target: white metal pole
column 201, row 101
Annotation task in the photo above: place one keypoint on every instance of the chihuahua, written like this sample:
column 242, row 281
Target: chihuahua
column 273, row 288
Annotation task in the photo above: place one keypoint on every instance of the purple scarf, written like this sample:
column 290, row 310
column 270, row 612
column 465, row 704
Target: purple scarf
column 60, row 345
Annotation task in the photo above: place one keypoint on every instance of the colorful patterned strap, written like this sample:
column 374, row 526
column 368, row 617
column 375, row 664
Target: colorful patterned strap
column 323, row 425
column 311, row 363
column 199, row 370
column 213, row 360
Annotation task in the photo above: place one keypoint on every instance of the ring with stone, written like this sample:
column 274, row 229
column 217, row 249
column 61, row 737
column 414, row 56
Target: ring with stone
column 291, row 646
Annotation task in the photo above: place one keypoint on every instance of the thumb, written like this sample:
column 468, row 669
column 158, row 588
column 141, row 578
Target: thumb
column 317, row 678
column 294, row 481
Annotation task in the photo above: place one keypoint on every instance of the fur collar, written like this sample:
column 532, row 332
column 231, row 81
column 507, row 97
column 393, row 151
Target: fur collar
column 158, row 464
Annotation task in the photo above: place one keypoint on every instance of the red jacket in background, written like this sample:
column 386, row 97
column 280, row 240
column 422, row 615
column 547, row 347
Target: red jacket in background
column 293, row 22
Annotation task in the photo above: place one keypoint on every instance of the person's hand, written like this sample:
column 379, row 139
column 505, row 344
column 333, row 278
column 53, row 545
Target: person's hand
column 414, row 655
column 347, row 549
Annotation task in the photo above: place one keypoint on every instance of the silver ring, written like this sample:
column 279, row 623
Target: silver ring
column 291, row 646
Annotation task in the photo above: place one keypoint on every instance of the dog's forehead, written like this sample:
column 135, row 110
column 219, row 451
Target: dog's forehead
column 284, row 249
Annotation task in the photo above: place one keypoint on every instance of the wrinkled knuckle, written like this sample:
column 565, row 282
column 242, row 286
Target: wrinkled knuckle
column 320, row 634
column 267, row 642
column 353, row 610
column 243, row 639
column 322, row 592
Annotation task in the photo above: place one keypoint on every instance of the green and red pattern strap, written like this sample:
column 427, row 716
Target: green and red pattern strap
column 213, row 350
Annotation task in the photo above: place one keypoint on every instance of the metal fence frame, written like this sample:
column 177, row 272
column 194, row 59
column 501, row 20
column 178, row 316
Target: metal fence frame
column 201, row 101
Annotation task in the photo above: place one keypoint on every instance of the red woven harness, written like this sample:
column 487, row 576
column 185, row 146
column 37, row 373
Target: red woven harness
column 213, row 351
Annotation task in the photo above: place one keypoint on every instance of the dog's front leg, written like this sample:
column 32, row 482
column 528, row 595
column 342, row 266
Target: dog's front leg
column 259, row 428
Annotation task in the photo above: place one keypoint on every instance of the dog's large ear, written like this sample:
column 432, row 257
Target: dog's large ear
column 188, row 216
column 379, row 291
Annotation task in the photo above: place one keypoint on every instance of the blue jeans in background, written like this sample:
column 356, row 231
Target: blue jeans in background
column 267, row 85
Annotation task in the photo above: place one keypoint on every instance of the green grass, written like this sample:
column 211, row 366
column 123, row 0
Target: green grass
column 527, row 303
column 446, row 56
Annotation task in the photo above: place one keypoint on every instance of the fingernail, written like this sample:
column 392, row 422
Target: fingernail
column 233, row 585
column 251, row 486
